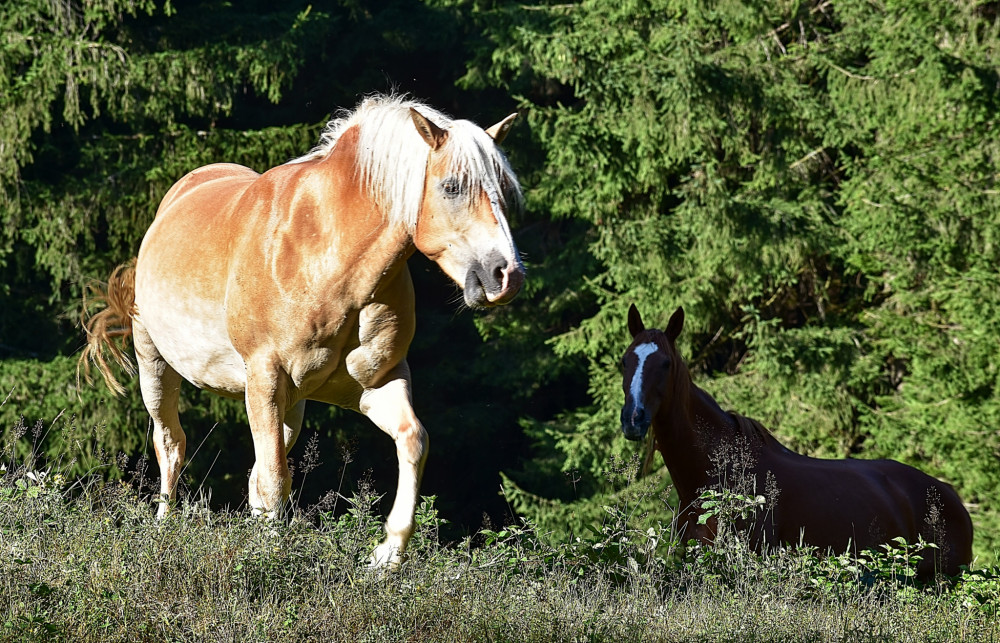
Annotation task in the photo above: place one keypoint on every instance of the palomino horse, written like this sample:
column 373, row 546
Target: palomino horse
column 293, row 285
column 832, row 504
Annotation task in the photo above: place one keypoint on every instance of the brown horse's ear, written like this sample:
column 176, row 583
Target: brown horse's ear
column 434, row 135
column 499, row 131
column 635, row 325
column 675, row 325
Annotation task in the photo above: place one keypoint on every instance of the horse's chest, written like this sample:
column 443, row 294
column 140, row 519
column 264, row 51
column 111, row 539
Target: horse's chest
column 356, row 358
column 321, row 374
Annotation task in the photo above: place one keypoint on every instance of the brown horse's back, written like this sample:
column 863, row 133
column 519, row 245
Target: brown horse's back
column 859, row 504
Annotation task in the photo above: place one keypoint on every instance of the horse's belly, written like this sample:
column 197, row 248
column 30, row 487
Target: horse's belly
column 193, row 340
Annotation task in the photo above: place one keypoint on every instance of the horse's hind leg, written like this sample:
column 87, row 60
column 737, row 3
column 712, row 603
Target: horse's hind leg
column 160, row 385
column 391, row 409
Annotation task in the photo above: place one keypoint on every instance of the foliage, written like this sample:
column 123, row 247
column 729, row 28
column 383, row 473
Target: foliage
column 814, row 182
column 34, row 421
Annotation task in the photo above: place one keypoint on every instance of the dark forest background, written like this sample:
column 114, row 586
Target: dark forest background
column 815, row 182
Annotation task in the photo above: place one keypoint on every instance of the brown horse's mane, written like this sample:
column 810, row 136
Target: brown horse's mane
column 684, row 387
column 755, row 431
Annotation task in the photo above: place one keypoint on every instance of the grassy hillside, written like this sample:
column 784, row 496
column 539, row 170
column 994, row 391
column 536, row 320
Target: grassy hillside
column 84, row 560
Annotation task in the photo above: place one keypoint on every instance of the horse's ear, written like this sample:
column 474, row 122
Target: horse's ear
column 635, row 325
column 434, row 135
column 675, row 325
column 499, row 131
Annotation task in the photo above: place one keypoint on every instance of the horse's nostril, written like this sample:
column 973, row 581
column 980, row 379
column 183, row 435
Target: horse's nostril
column 498, row 274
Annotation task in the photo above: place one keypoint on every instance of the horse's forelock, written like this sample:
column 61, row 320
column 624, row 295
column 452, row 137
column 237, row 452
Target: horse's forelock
column 392, row 156
column 477, row 161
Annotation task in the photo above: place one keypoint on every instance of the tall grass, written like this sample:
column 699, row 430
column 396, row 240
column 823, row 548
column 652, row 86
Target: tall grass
column 85, row 560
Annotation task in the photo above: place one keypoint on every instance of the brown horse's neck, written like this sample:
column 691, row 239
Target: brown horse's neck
column 698, row 440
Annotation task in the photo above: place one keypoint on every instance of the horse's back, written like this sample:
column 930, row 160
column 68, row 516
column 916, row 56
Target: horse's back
column 196, row 218
column 227, row 177
column 181, row 275
column 835, row 503
column 869, row 502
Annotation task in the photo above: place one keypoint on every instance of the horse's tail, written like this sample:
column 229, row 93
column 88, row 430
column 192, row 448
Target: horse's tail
column 109, row 328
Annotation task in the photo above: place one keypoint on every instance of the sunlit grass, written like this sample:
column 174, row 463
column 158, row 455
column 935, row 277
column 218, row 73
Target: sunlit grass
column 84, row 560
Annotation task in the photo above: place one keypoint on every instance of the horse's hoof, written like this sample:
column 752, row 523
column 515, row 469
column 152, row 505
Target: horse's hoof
column 386, row 557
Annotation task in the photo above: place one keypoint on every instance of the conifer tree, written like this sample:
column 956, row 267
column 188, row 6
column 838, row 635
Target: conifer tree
column 815, row 182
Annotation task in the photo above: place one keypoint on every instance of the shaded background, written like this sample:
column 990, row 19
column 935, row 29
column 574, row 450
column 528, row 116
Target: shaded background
column 815, row 182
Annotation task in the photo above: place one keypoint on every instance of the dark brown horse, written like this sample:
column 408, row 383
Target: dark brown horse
column 837, row 505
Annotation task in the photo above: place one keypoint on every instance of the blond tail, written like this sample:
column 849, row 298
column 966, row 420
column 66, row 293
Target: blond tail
column 109, row 328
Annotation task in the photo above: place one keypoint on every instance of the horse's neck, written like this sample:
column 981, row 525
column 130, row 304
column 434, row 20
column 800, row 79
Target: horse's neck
column 347, row 229
column 690, row 430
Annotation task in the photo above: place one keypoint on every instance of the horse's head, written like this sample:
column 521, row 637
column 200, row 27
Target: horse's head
column 650, row 363
column 462, row 225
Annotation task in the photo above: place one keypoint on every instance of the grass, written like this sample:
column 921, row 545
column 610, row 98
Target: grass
column 85, row 560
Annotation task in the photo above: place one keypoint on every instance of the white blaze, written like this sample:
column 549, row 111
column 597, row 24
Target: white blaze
column 494, row 197
column 642, row 351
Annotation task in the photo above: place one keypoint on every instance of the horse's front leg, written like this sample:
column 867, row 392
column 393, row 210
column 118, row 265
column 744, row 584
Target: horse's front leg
column 390, row 407
column 293, row 425
column 266, row 399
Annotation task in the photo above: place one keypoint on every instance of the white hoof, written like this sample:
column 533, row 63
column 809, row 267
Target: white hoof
column 385, row 555
column 266, row 514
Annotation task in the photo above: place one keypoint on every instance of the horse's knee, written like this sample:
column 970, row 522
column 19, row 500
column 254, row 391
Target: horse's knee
column 169, row 440
column 413, row 443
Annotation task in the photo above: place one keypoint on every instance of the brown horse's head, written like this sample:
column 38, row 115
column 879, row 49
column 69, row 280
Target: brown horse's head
column 462, row 224
column 650, row 364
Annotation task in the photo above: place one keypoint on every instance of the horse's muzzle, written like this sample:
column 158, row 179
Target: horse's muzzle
column 635, row 421
column 493, row 282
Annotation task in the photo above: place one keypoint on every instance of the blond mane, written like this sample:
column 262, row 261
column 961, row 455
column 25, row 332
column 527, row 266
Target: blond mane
column 391, row 156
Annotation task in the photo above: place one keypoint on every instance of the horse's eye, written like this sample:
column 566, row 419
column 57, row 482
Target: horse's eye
column 451, row 188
